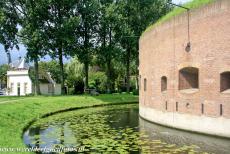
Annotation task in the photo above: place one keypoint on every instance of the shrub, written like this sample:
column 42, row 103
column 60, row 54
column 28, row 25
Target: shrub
column 97, row 80
column 135, row 92
column 71, row 91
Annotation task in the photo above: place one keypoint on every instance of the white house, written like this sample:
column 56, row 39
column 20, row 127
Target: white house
column 19, row 83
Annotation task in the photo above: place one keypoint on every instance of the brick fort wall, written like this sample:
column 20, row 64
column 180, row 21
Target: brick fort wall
column 194, row 82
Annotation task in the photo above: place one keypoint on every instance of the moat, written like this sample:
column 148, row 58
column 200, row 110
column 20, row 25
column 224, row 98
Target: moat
column 117, row 129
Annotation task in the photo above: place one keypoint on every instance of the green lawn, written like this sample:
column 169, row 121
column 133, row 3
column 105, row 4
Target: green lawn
column 16, row 115
column 6, row 98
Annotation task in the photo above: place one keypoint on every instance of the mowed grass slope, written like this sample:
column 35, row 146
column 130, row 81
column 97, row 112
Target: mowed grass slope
column 15, row 116
column 177, row 11
column 6, row 98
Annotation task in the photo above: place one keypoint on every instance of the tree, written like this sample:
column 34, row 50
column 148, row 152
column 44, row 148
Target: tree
column 109, row 49
column 8, row 26
column 60, row 21
column 75, row 71
column 106, row 29
column 32, row 32
column 89, row 11
column 33, row 40
column 3, row 76
column 54, row 69
column 134, row 17
column 13, row 14
column 47, row 26
column 148, row 12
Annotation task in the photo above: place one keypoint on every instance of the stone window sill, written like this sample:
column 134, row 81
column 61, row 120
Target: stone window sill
column 226, row 91
column 189, row 91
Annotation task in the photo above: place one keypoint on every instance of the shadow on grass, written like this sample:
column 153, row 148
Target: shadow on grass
column 117, row 98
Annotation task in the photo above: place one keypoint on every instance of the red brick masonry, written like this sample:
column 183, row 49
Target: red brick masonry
column 198, row 82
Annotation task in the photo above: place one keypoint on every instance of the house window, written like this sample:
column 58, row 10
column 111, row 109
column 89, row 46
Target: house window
column 25, row 87
column 18, row 89
column 163, row 83
column 189, row 78
column 225, row 82
column 11, row 87
column 145, row 84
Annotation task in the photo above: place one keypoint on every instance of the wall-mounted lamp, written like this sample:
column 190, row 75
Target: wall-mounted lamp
column 188, row 46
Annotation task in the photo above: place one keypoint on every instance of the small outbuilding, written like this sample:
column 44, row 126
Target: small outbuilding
column 19, row 82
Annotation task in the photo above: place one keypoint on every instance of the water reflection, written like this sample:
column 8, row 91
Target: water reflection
column 118, row 129
column 127, row 118
column 173, row 136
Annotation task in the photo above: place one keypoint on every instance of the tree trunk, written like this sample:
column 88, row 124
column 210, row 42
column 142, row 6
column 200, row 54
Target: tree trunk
column 62, row 70
column 137, row 67
column 109, row 76
column 108, row 63
column 128, row 70
column 87, row 59
column 37, row 85
column 137, row 81
column 86, row 81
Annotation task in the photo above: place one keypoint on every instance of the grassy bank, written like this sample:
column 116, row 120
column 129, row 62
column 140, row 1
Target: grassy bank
column 15, row 115
column 194, row 4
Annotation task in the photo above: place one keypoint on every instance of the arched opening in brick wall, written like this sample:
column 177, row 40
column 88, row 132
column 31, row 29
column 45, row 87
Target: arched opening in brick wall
column 225, row 82
column 189, row 79
column 163, row 83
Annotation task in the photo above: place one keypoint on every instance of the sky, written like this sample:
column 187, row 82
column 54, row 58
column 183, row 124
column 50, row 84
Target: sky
column 180, row 1
column 15, row 54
